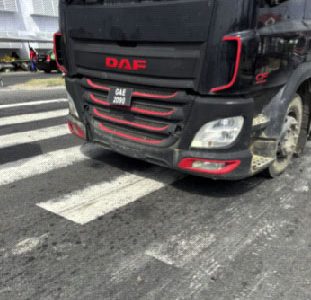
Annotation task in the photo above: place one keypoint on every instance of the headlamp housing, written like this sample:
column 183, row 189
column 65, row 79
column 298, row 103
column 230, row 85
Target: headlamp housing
column 218, row 134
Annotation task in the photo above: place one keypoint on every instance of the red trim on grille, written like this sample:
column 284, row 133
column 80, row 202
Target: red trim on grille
column 135, row 94
column 154, row 96
column 128, row 136
column 97, row 86
column 152, row 112
column 134, row 124
column 99, row 101
column 136, row 109
column 238, row 40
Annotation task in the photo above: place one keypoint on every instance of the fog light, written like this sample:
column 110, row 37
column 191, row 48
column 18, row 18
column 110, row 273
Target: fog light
column 213, row 167
column 218, row 134
column 72, row 106
column 206, row 165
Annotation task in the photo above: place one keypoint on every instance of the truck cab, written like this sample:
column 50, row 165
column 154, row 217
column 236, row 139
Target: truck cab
column 217, row 88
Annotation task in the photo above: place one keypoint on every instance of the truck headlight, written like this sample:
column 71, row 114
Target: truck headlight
column 218, row 134
column 72, row 106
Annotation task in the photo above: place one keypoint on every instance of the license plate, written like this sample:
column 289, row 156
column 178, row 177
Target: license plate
column 120, row 96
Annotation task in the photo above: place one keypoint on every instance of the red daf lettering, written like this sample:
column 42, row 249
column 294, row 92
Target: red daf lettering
column 126, row 64
column 139, row 65
column 112, row 62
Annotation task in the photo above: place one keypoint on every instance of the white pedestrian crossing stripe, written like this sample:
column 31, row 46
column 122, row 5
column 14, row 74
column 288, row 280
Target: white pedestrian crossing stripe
column 25, row 118
column 41, row 164
column 44, row 163
column 33, row 103
column 19, row 138
column 94, row 201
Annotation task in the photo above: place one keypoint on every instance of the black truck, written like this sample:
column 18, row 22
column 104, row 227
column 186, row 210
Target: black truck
column 218, row 88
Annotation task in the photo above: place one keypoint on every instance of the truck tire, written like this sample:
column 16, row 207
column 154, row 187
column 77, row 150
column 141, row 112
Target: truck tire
column 289, row 139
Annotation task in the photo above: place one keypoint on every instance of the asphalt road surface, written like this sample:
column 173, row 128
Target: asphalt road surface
column 13, row 78
column 80, row 222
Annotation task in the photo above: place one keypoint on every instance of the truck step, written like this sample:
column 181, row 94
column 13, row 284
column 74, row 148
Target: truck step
column 260, row 162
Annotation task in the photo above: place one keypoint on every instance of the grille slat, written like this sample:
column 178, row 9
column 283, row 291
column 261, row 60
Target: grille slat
column 134, row 122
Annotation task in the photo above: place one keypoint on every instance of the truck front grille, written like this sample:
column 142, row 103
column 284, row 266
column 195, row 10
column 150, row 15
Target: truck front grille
column 156, row 117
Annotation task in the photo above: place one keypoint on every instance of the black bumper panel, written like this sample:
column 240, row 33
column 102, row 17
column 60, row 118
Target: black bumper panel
column 171, row 157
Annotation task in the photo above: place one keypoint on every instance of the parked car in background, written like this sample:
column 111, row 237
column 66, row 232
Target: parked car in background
column 47, row 62
column 12, row 63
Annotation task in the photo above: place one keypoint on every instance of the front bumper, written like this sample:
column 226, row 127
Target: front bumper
column 203, row 110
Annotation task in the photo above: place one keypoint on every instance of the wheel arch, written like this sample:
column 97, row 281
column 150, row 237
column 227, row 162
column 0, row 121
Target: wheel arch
column 304, row 91
column 298, row 83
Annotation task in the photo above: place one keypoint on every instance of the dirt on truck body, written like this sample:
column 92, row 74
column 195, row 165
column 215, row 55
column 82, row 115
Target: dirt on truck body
column 217, row 88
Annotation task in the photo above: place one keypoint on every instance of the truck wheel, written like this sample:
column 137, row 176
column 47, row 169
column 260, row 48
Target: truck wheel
column 288, row 144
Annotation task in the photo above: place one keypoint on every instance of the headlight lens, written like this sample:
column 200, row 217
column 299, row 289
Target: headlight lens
column 218, row 134
column 72, row 106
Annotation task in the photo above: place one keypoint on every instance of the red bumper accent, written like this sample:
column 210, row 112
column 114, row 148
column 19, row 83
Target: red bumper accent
column 230, row 166
column 76, row 130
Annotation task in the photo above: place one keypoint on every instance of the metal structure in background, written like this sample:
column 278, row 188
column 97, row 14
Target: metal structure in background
column 19, row 38
column 8, row 37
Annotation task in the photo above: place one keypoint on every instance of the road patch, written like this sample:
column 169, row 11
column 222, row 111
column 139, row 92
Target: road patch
column 27, row 245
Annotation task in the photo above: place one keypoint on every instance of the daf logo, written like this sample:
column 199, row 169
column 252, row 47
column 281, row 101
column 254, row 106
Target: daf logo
column 125, row 64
